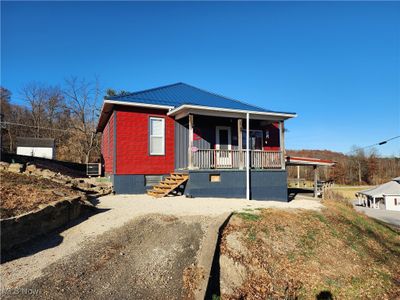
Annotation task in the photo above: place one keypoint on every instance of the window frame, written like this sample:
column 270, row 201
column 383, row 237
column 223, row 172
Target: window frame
column 151, row 153
column 252, row 130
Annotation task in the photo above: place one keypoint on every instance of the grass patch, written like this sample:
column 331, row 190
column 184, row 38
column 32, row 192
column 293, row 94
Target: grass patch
column 248, row 216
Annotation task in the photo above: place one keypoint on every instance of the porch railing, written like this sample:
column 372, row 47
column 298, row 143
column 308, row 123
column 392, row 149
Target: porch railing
column 235, row 159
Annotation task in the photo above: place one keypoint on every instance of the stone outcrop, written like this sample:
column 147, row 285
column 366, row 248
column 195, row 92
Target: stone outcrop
column 15, row 168
column 88, row 185
column 4, row 165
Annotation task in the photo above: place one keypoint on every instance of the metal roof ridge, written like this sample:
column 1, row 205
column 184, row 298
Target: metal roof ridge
column 143, row 91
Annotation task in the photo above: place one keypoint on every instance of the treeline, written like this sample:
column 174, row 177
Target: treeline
column 357, row 168
column 67, row 112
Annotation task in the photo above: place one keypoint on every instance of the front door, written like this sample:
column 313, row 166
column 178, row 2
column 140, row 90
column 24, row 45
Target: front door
column 223, row 146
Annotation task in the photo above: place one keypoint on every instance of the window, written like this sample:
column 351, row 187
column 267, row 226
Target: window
column 215, row 177
column 152, row 180
column 157, row 136
column 256, row 139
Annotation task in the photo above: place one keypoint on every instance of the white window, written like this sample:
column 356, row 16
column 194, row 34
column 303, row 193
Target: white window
column 157, row 136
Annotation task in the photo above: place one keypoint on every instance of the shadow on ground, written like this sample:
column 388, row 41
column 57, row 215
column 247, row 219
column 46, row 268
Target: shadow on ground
column 47, row 241
column 293, row 192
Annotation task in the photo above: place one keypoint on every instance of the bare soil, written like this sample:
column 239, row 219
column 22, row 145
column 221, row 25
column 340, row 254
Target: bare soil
column 148, row 258
column 335, row 253
column 21, row 193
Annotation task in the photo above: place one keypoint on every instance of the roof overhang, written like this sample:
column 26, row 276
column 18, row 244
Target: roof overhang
column 108, row 107
column 307, row 161
column 186, row 109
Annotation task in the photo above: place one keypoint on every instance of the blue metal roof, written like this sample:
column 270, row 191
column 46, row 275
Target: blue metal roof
column 181, row 93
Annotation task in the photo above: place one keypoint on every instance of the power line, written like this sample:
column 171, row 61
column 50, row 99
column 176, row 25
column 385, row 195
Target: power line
column 376, row 144
column 31, row 126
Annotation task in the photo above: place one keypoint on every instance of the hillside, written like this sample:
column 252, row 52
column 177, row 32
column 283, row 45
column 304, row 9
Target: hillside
column 336, row 253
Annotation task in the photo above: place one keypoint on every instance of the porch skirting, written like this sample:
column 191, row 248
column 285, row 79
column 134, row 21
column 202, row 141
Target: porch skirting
column 264, row 184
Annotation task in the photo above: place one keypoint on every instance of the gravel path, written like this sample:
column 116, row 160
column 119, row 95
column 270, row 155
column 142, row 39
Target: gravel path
column 116, row 211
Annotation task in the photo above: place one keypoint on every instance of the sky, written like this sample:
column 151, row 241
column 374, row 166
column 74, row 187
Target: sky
column 336, row 64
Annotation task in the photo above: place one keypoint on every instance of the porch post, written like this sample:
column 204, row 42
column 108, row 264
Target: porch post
column 247, row 156
column 282, row 144
column 298, row 176
column 240, row 143
column 190, row 163
column 315, row 181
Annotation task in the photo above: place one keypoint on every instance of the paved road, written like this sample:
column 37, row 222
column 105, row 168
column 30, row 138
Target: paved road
column 388, row 216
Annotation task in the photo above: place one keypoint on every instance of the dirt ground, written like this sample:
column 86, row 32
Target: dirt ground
column 335, row 253
column 144, row 259
column 22, row 193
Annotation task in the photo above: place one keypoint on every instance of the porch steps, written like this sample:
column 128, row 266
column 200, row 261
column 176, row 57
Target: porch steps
column 169, row 184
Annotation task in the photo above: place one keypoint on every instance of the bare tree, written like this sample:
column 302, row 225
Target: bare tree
column 81, row 100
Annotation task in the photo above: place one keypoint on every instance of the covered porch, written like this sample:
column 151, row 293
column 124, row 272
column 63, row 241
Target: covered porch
column 211, row 140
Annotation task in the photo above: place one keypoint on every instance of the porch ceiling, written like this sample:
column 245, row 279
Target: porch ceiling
column 184, row 110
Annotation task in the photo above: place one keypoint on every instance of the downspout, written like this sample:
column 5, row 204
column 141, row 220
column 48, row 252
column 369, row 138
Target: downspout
column 247, row 156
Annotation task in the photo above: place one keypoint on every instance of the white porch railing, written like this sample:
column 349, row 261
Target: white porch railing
column 235, row 159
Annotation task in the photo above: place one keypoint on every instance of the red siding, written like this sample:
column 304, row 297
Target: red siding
column 133, row 142
column 107, row 145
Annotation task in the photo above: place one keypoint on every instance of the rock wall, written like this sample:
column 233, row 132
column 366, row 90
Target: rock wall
column 22, row 228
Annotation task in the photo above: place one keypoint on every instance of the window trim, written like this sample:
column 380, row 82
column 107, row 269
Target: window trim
column 150, row 136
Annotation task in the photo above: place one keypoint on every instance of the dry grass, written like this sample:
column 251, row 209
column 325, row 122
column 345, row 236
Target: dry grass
column 304, row 255
column 349, row 192
column 22, row 193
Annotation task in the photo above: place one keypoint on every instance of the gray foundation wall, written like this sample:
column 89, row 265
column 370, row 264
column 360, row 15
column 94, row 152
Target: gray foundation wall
column 265, row 184
column 130, row 184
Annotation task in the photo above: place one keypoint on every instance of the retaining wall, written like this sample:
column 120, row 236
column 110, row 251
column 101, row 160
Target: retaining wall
column 22, row 228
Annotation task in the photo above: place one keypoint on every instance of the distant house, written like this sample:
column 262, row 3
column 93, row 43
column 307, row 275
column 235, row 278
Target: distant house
column 37, row 147
column 387, row 194
column 227, row 148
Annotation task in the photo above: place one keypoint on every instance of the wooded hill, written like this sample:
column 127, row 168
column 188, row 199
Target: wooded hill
column 360, row 167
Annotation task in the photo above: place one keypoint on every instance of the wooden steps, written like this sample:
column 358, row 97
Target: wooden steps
column 169, row 184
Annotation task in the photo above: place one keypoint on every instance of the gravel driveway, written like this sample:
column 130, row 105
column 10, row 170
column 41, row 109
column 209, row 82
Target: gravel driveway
column 144, row 259
column 117, row 211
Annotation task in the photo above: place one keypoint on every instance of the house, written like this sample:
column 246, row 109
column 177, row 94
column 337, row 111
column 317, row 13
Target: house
column 37, row 147
column 228, row 148
column 387, row 194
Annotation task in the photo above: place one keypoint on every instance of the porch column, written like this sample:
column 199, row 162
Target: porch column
column 282, row 144
column 298, row 176
column 247, row 156
column 240, row 143
column 190, row 163
column 315, row 181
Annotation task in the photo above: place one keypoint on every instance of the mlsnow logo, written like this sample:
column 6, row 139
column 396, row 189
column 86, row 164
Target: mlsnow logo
column 19, row 291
